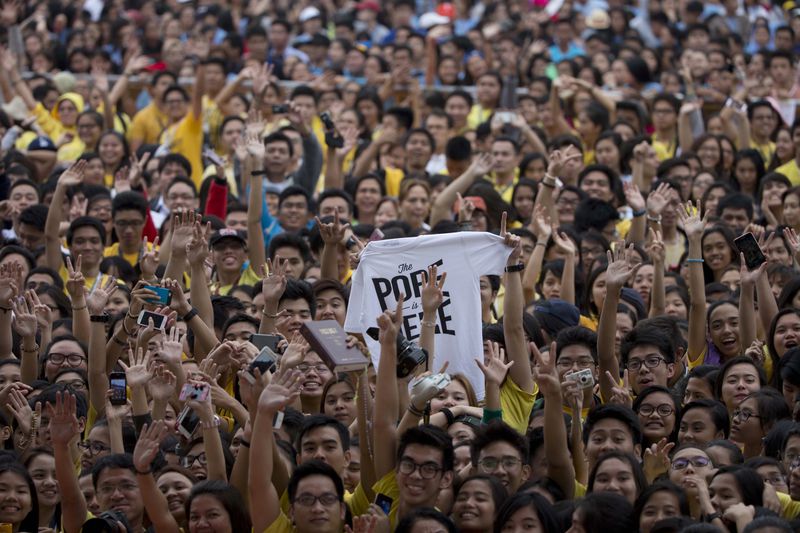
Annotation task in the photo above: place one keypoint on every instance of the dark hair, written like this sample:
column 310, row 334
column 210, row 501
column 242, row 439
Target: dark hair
column 289, row 240
column 716, row 411
column 498, row 431
column 293, row 190
column 577, row 335
column 177, row 159
column 735, row 200
column 751, row 486
column 645, row 334
column 34, row 215
column 279, row 137
column 82, row 222
column 738, row 360
column 406, row 524
column 663, row 485
column 652, row 389
column 755, row 157
column 122, row 461
column 432, row 436
column 335, row 193
column 604, row 511
column 545, row 512
column 314, row 468
column 228, row 496
column 636, row 469
column 617, row 412
column 237, row 318
column 313, row 422
column 496, row 488
column 768, row 522
column 129, row 201
column 31, row 520
column 734, row 452
column 771, row 407
column 299, row 290
column 777, row 359
column 593, row 213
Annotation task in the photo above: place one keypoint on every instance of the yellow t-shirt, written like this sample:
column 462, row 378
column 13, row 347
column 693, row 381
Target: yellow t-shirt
column 506, row 191
column 767, row 150
column 791, row 171
column 89, row 283
column 517, row 405
column 387, row 486
column 186, row 138
column 393, row 178
column 282, row 524
column 790, row 509
column 477, row 116
column 664, row 149
column 148, row 125
column 248, row 277
column 132, row 259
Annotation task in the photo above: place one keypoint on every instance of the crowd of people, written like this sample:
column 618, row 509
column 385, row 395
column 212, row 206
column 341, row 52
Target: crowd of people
column 613, row 192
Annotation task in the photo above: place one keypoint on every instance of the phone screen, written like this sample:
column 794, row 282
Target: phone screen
column 262, row 341
column 158, row 320
column 753, row 256
column 118, row 386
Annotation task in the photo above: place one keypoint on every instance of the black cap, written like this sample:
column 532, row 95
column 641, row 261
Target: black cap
column 228, row 233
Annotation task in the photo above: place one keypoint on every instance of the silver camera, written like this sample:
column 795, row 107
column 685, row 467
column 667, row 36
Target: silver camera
column 584, row 378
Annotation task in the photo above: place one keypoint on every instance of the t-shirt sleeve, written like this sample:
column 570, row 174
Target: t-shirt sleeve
column 352, row 322
column 282, row 524
column 358, row 501
column 486, row 252
column 516, row 405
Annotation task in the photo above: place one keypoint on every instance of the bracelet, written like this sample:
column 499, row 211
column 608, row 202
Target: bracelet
column 35, row 349
column 211, row 425
column 548, row 184
column 657, row 219
column 125, row 329
column 639, row 213
column 449, row 415
column 119, row 342
column 519, row 267
column 100, row 318
column 689, row 260
column 79, row 308
column 711, row 517
column 129, row 315
column 190, row 315
column 414, row 411
column 145, row 473
column 540, row 243
column 269, row 315
column 428, row 323
column 5, row 309
column 245, row 443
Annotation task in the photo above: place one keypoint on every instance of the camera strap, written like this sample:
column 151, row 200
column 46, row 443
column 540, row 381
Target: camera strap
column 426, row 417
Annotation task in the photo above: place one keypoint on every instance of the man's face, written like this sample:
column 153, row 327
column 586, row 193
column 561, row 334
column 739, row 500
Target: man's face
column 306, row 106
column 87, row 243
column 418, row 151
column 503, row 461
column 277, row 158
column 331, row 306
column 596, row 185
column 29, row 236
column 118, row 490
column 324, row 444
column 292, row 261
column 23, row 196
column 215, row 77
column 160, row 87
column 575, row 358
column 458, row 109
column 607, row 435
column 416, row 488
column 315, row 375
column 735, row 219
column 278, row 36
column 232, row 132
column 293, row 213
column 437, row 126
column 335, row 206
column 236, row 220
column 505, row 157
column 175, row 105
column 780, row 69
column 181, row 196
column 240, row 332
column 228, row 255
column 644, row 357
column 298, row 312
column 317, row 517
column 128, row 225
column 763, row 120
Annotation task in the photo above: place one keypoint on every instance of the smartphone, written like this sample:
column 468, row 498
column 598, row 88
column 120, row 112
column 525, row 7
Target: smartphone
column 212, row 156
column 280, row 109
column 119, row 388
column 187, row 422
column 159, row 321
column 376, row 235
column 747, row 245
column 266, row 361
column 163, row 293
column 384, row 502
column 194, row 391
column 325, row 117
column 262, row 341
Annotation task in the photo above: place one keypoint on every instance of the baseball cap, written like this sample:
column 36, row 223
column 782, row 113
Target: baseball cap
column 309, row 13
column 555, row 314
column 42, row 143
column 369, row 5
column 431, row 19
column 227, row 233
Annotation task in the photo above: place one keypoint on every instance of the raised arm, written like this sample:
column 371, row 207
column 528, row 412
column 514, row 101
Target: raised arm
column 480, row 166
column 18, row 85
column 52, row 243
column 273, row 284
column 542, row 228
column 255, row 204
column 559, row 464
column 748, row 324
column 432, row 297
column 657, row 253
column 76, row 287
column 562, row 127
column 494, row 373
column 333, row 234
column 64, row 429
column 693, row 226
column 98, row 376
column 198, row 90
column 636, row 202
column 155, row 502
column 570, row 251
column 282, row 391
column 685, row 133
column 619, row 271
column 10, row 287
column 385, row 419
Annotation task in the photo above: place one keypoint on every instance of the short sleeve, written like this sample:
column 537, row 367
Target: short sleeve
column 487, row 253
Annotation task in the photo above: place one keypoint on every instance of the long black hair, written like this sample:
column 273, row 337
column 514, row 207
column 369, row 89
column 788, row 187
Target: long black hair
column 228, row 496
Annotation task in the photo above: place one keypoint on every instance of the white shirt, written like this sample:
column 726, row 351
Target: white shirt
column 398, row 266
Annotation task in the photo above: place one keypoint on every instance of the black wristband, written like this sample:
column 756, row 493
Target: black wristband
column 449, row 415
column 519, row 267
column 258, row 173
column 245, row 443
column 145, row 473
column 190, row 315
column 100, row 318
column 711, row 517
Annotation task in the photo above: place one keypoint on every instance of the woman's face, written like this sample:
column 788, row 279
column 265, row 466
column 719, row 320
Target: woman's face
column 709, row 153
column 660, row 422
column 784, row 147
column 67, row 113
column 98, row 444
column 175, row 487
column 723, row 325
column 64, row 354
column 697, row 389
column 662, row 504
column 454, row 394
column 787, row 333
column 599, row 290
column 746, row 431
column 697, row 426
column 525, row 519
column 523, row 201
column 340, row 403
column 716, row 252
column 43, row 471
column 724, row 492
column 739, row 381
column 624, row 326
column 117, row 304
column 615, row 475
column 535, row 170
column 643, row 281
column 675, row 306
column 565, row 207
column 607, row 153
column 695, row 462
column 461, row 432
column 206, row 513
column 415, row 206
column 15, row 498
column 772, row 474
column 773, row 192
column 474, row 508
column 716, row 194
column 111, row 150
column 791, row 210
column 701, row 184
column 745, row 171
column 551, row 286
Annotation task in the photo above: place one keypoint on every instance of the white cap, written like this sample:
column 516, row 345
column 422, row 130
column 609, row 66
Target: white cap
column 431, row 19
column 309, row 13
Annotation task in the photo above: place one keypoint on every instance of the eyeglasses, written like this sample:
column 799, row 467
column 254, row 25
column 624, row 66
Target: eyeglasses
column 175, row 101
column 308, row 500
column 74, row 359
column 426, row 470
column 107, row 490
column 698, row 462
column 744, row 416
column 650, row 362
column 92, row 447
column 78, row 384
column 319, row 369
column 189, row 460
column 775, row 479
column 584, row 362
column 490, row 464
column 664, row 409
column 122, row 224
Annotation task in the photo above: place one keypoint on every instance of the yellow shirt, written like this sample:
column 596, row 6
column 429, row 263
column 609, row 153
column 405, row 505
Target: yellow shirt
column 477, row 116
column 767, row 150
column 791, row 171
column 517, row 405
column 393, row 178
column 89, row 283
column 387, row 486
column 132, row 259
column 790, row 509
column 148, row 125
column 664, row 149
column 248, row 277
column 186, row 138
column 282, row 524
column 506, row 191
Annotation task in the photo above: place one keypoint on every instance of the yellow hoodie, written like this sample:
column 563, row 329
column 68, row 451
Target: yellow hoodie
column 51, row 124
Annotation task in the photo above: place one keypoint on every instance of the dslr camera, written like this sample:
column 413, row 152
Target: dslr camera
column 409, row 354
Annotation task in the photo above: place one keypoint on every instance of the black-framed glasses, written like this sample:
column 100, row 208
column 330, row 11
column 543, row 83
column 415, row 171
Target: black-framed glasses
column 697, row 461
column 74, row 359
column 744, row 416
column 490, row 464
column 189, row 460
column 664, row 409
column 426, row 470
column 92, row 447
column 308, row 500
column 650, row 362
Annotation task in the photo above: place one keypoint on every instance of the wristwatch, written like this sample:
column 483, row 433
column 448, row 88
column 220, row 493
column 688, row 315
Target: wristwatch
column 104, row 318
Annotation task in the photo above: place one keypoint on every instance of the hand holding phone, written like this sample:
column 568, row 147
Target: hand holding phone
column 748, row 246
column 118, row 386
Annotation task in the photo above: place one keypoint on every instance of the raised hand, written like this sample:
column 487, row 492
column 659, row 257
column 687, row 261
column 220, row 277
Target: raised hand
column 197, row 245
column 44, row 315
column 139, row 371
column 481, row 165
column 24, row 320
column 658, row 200
column 9, row 12
column 619, row 395
column 363, row 524
column 283, row 389
column 19, row 407
column 255, row 146
column 172, row 347
column 148, row 445
column 693, row 225
column 512, row 241
column 183, row 228
column 655, row 248
column 432, row 291
column 619, row 269
column 541, row 226
column 140, row 296
column 97, row 299
column 294, row 353
column 350, row 136
column 656, row 459
column 162, row 385
column 73, row 175
column 76, row 283
column 64, row 426
column 465, row 208
column 495, row 368
column 149, row 261
column 9, row 285
column 274, row 280
column 559, row 159
column 389, row 322
column 544, row 371
column 633, row 197
column 564, row 243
